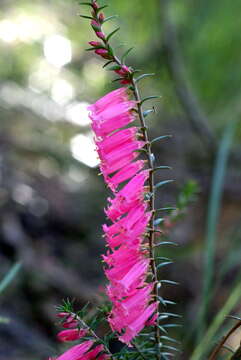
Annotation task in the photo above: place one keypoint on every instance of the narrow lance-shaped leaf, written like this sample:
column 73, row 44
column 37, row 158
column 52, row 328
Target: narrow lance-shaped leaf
column 148, row 112
column 143, row 76
column 114, row 67
column 166, row 243
column 161, row 138
column 166, row 209
column 162, row 168
column 169, row 282
column 165, row 263
column 150, row 98
column 126, row 53
column 112, row 33
column 9, row 277
column 164, row 182
column 101, row 8
column 107, row 63
column 86, row 3
column 86, row 17
column 110, row 18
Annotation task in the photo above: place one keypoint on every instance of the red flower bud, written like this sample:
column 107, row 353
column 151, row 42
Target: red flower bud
column 71, row 334
column 125, row 81
column 101, row 18
column 95, row 25
column 123, row 71
column 95, row 43
column 95, row 5
column 103, row 53
column 100, row 35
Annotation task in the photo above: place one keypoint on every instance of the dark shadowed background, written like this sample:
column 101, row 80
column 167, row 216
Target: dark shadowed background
column 51, row 197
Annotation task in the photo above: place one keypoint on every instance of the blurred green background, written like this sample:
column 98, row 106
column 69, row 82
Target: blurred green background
column 51, row 199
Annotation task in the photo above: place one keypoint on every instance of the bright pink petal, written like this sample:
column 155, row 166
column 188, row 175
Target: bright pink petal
column 71, row 334
column 76, row 352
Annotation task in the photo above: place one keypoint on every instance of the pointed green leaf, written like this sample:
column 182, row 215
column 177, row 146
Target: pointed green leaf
column 150, row 98
column 101, row 8
column 166, row 209
column 126, row 53
column 158, row 221
column 234, row 317
column 114, row 67
column 143, row 76
column 165, row 263
column 171, row 325
column 118, row 79
column 162, row 168
column 169, row 282
column 168, row 338
column 111, row 34
column 9, row 277
column 110, row 18
column 162, row 329
column 161, row 138
column 85, row 3
column 86, row 17
column 167, row 243
column 164, row 182
column 148, row 112
column 108, row 63
column 169, row 302
column 173, row 348
column 171, row 314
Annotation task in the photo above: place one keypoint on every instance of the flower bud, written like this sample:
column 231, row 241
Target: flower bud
column 71, row 334
column 95, row 5
column 101, row 18
column 95, row 25
column 125, row 81
column 95, row 43
column 100, row 35
column 123, row 71
column 103, row 53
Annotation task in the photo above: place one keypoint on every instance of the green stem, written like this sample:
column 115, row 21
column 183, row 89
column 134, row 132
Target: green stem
column 151, row 231
column 92, row 333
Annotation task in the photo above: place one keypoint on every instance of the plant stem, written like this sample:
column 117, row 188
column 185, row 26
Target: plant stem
column 152, row 204
column 151, row 231
column 214, row 354
column 92, row 333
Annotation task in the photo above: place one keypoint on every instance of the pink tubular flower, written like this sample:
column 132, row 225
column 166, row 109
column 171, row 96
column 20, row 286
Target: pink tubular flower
column 76, row 352
column 124, row 174
column 81, row 352
column 138, row 324
column 115, row 97
column 126, row 260
column 71, row 334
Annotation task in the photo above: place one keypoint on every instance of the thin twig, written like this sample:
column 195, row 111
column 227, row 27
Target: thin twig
column 215, row 352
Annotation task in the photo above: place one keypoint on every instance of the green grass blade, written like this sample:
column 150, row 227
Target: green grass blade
column 10, row 276
column 207, row 340
column 214, row 205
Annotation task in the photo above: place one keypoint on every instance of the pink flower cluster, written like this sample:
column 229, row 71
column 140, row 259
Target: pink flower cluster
column 84, row 351
column 127, row 261
column 103, row 48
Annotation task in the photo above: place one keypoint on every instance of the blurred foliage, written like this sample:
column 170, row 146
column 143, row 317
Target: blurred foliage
column 51, row 199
